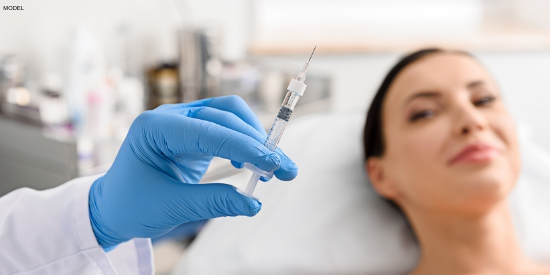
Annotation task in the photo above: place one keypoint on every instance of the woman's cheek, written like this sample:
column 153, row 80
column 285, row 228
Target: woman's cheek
column 418, row 152
column 505, row 129
column 424, row 142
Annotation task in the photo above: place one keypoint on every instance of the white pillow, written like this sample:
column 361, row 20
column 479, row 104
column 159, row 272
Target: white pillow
column 330, row 221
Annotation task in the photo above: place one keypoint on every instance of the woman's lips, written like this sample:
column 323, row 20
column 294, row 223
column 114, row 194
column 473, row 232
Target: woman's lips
column 475, row 153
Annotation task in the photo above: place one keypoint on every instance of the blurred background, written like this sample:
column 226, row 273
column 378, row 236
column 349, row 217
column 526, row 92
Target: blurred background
column 75, row 74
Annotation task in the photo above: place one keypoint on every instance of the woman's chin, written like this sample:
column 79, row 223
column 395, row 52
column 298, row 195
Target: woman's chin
column 481, row 191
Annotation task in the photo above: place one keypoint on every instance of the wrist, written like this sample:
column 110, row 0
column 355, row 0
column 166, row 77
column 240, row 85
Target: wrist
column 102, row 233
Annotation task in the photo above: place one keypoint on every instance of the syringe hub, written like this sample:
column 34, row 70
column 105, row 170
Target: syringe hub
column 297, row 87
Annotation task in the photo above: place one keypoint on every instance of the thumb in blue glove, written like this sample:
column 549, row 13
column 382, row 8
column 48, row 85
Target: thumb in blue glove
column 151, row 187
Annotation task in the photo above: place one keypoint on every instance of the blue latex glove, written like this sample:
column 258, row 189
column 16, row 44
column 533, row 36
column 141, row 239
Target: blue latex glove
column 151, row 187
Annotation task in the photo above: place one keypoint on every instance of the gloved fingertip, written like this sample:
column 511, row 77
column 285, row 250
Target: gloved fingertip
column 250, row 206
column 288, row 170
column 286, row 175
column 255, row 207
column 237, row 164
column 264, row 179
column 275, row 161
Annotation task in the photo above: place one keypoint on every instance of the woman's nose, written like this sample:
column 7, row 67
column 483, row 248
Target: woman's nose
column 469, row 119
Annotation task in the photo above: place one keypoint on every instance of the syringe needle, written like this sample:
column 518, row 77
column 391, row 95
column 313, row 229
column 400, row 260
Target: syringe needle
column 312, row 53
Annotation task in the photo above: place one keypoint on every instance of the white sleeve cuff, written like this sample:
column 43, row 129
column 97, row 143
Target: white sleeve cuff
column 49, row 232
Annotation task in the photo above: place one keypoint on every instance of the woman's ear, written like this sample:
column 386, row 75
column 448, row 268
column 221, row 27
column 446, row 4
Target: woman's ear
column 380, row 180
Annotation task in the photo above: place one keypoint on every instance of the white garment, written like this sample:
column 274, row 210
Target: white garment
column 49, row 232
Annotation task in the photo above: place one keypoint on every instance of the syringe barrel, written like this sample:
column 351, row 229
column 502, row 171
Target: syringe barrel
column 288, row 105
column 282, row 119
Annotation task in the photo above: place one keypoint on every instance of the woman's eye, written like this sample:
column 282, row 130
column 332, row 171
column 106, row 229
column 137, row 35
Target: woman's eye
column 485, row 101
column 421, row 115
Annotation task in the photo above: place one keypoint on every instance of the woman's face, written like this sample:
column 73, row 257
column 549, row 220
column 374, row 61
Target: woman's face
column 450, row 143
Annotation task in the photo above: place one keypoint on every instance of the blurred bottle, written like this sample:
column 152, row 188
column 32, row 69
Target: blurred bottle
column 126, row 77
column 199, row 64
column 163, row 85
column 85, row 72
column 91, row 100
column 54, row 110
column 130, row 102
column 12, row 75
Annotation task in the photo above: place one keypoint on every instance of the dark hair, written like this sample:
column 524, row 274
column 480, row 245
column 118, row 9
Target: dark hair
column 373, row 138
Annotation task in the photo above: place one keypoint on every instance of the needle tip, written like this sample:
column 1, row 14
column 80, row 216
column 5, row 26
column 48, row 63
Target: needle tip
column 312, row 53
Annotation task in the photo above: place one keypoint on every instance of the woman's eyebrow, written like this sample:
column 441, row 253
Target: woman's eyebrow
column 422, row 95
column 476, row 83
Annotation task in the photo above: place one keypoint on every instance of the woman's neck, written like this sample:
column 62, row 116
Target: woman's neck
column 469, row 244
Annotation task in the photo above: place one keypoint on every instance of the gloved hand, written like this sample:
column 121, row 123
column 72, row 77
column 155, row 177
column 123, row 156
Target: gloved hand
column 151, row 187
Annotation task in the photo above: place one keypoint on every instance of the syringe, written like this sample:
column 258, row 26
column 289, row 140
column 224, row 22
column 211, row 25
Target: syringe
column 296, row 89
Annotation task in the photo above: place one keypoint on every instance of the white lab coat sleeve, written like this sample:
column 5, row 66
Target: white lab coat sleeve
column 49, row 232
